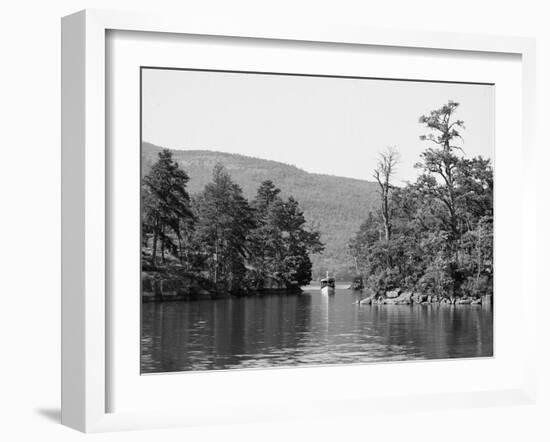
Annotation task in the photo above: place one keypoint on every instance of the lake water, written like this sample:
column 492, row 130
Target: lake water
column 308, row 328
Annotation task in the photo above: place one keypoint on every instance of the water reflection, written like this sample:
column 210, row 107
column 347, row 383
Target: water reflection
column 306, row 329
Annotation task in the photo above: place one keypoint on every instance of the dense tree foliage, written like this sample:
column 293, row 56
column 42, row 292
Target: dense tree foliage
column 336, row 205
column 219, row 236
column 281, row 242
column 442, row 224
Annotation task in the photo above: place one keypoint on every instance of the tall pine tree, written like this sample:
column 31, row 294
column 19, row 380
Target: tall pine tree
column 225, row 220
column 166, row 207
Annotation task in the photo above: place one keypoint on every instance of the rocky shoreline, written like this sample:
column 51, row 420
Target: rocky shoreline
column 177, row 285
column 398, row 297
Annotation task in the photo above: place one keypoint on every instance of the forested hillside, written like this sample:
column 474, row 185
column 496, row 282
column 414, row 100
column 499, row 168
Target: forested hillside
column 336, row 206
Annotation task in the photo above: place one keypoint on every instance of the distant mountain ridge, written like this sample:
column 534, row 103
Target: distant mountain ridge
column 335, row 205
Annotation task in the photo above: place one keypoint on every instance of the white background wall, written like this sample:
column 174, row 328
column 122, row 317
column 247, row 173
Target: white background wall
column 30, row 220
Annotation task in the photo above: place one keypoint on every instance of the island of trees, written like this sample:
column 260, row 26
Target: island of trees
column 217, row 243
column 433, row 236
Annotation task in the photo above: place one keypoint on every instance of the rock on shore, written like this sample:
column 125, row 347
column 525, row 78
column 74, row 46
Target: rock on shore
column 398, row 297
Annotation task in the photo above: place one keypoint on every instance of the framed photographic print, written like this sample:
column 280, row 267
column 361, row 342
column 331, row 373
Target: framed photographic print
column 250, row 213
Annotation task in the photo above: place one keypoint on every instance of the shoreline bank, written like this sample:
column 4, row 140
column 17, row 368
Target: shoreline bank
column 181, row 286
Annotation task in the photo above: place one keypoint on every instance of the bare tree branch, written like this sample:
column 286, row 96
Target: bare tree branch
column 385, row 169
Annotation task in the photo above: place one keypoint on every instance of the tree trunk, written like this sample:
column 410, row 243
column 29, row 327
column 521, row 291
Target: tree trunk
column 162, row 246
column 216, row 263
column 155, row 239
column 386, row 207
column 180, row 253
column 479, row 255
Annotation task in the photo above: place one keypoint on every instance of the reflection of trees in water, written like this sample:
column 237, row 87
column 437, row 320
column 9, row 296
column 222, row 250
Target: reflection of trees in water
column 222, row 333
column 307, row 328
column 436, row 331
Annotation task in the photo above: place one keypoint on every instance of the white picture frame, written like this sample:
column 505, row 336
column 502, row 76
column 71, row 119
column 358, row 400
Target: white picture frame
column 85, row 198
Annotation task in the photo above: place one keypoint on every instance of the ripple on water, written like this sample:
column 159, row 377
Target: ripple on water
column 275, row 331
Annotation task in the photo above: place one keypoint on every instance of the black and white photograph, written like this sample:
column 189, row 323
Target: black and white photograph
column 307, row 220
column 275, row 221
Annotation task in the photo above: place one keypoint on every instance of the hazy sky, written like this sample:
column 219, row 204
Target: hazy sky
column 324, row 125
